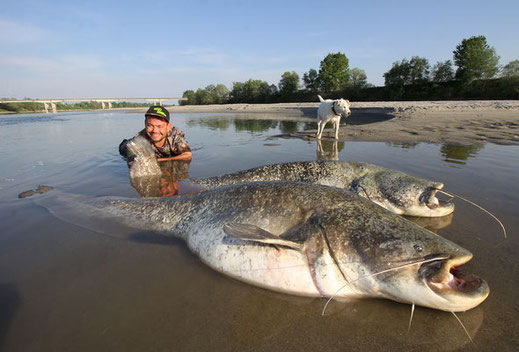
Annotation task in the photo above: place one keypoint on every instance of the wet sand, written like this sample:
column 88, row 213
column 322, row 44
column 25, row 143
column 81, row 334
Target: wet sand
column 455, row 122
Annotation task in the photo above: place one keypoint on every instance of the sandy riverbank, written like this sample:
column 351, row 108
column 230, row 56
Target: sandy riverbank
column 459, row 122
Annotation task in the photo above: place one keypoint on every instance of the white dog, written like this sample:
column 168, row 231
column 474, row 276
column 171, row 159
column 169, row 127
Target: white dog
column 331, row 110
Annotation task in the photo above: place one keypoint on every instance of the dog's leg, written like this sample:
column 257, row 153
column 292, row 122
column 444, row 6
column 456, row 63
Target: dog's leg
column 323, row 125
column 318, row 135
column 336, row 125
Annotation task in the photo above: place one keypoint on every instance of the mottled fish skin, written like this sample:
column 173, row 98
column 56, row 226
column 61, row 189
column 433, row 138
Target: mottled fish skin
column 327, row 173
column 393, row 190
column 337, row 243
column 145, row 163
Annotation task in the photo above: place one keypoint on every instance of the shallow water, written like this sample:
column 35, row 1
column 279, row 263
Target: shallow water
column 63, row 287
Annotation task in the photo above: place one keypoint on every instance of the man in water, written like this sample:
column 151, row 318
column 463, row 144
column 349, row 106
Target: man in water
column 167, row 141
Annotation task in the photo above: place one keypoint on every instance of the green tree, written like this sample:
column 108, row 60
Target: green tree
column 358, row 78
column 218, row 94
column 252, row 91
column 311, row 79
column 203, row 97
column 237, row 92
column 511, row 69
column 442, row 71
column 408, row 72
column 209, row 94
column 289, row 83
column 334, row 72
column 475, row 59
column 418, row 70
column 191, row 98
column 398, row 75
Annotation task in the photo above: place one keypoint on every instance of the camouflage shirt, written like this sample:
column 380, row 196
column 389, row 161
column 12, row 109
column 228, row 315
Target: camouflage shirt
column 176, row 144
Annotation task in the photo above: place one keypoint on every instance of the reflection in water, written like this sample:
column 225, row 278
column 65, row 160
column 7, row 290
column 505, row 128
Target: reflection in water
column 164, row 185
column 254, row 125
column 403, row 145
column 458, row 154
column 266, row 315
column 329, row 150
column 249, row 124
column 310, row 126
column 213, row 123
column 289, row 126
column 432, row 224
column 36, row 118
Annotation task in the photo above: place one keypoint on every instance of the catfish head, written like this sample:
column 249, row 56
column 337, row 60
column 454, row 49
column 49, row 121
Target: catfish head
column 406, row 263
column 402, row 194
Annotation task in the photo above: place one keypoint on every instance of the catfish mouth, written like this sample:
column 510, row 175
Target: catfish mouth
column 445, row 276
column 429, row 199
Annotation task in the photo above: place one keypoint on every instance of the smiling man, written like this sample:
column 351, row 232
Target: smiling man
column 168, row 142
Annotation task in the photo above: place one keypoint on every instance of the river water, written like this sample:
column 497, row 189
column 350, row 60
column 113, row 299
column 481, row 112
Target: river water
column 66, row 288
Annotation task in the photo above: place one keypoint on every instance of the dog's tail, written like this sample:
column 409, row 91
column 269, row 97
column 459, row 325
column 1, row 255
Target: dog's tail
column 320, row 98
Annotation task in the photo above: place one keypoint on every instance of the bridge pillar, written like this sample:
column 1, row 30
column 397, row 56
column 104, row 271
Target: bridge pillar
column 109, row 105
column 53, row 106
column 103, row 105
column 46, row 107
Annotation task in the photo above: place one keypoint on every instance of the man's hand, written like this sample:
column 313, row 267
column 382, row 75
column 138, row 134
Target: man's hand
column 183, row 156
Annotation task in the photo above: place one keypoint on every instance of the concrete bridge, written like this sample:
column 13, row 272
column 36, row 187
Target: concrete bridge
column 106, row 103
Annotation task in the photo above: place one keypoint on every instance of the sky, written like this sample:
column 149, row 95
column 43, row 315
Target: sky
column 91, row 49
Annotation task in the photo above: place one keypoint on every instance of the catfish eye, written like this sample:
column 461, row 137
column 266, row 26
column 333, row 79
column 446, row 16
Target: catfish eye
column 418, row 248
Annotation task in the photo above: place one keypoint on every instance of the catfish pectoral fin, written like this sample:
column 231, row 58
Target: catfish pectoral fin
column 247, row 232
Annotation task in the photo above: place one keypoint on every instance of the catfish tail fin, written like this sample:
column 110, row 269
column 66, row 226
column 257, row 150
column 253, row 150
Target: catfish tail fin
column 105, row 215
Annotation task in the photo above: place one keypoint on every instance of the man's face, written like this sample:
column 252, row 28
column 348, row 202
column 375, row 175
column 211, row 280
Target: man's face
column 157, row 129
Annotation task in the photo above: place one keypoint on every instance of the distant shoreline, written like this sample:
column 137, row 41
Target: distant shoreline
column 397, row 107
column 298, row 109
column 456, row 122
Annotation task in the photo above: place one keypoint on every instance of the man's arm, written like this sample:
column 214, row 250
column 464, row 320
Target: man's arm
column 179, row 145
column 183, row 156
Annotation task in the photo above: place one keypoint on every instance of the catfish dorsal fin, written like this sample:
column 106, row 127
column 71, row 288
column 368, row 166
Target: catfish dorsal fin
column 247, row 232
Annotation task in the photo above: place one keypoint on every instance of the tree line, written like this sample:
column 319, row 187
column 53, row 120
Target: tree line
column 474, row 73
